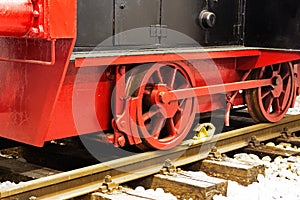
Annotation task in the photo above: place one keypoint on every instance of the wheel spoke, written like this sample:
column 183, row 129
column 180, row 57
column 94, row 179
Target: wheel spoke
column 287, row 75
column 159, row 76
column 148, row 115
column 265, row 93
column 184, row 86
column 151, row 80
column 262, row 71
column 279, row 68
column 173, row 77
column 268, row 103
column 275, row 69
column 181, row 104
column 285, row 94
column 182, row 116
column 276, row 105
column 157, row 127
column 171, row 128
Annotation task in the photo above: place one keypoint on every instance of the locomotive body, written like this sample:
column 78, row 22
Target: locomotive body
column 100, row 20
column 142, row 69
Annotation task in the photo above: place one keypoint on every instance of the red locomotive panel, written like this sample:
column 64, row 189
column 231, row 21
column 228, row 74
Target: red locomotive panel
column 34, row 64
column 148, row 97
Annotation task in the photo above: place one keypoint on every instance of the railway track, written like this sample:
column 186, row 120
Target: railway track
column 83, row 181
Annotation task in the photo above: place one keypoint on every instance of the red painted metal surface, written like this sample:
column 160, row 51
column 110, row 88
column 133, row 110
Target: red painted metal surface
column 16, row 17
column 45, row 96
column 267, row 57
column 62, row 18
column 83, row 105
column 38, row 18
column 37, row 104
column 26, row 111
column 35, row 54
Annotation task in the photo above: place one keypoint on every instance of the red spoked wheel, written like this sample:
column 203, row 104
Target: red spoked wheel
column 161, row 125
column 270, row 103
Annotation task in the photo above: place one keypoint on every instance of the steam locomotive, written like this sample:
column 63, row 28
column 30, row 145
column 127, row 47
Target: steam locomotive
column 139, row 70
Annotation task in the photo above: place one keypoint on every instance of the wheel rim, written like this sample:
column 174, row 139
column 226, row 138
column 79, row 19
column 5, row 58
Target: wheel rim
column 270, row 103
column 161, row 125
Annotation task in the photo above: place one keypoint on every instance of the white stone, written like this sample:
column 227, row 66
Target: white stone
column 159, row 191
column 281, row 181
column 280, row 146
column 140, row 189
column 266, row 158
column 270, row 144
column 254, row 157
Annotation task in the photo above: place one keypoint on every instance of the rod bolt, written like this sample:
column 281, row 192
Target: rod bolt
column 34, row 31
column 36, row 14
column 123, row 124
column 107, row 179
column 276, row 81
column 121, row 141
column 163, row 97
column 122, row 6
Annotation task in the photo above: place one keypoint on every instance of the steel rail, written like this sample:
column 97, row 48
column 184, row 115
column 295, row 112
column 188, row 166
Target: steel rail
column 87, row 180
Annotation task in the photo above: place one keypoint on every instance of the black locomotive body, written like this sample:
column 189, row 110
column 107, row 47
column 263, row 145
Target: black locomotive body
column 100, row 20
column 264, row 23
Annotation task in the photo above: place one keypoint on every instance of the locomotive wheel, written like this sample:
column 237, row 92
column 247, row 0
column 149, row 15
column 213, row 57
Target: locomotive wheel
column 270, row 103
column 160, row 125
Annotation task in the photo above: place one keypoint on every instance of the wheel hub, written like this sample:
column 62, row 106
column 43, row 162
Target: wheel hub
column 168, row 109
column 278, row 86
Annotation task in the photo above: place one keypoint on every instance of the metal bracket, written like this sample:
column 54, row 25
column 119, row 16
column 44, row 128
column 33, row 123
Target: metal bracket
column 158, row 31
column 124, row 125
column 49, row 62
column 285, row 133
column 109, row 186
column 214, row 154
column 169, row 168
column 254, row 142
